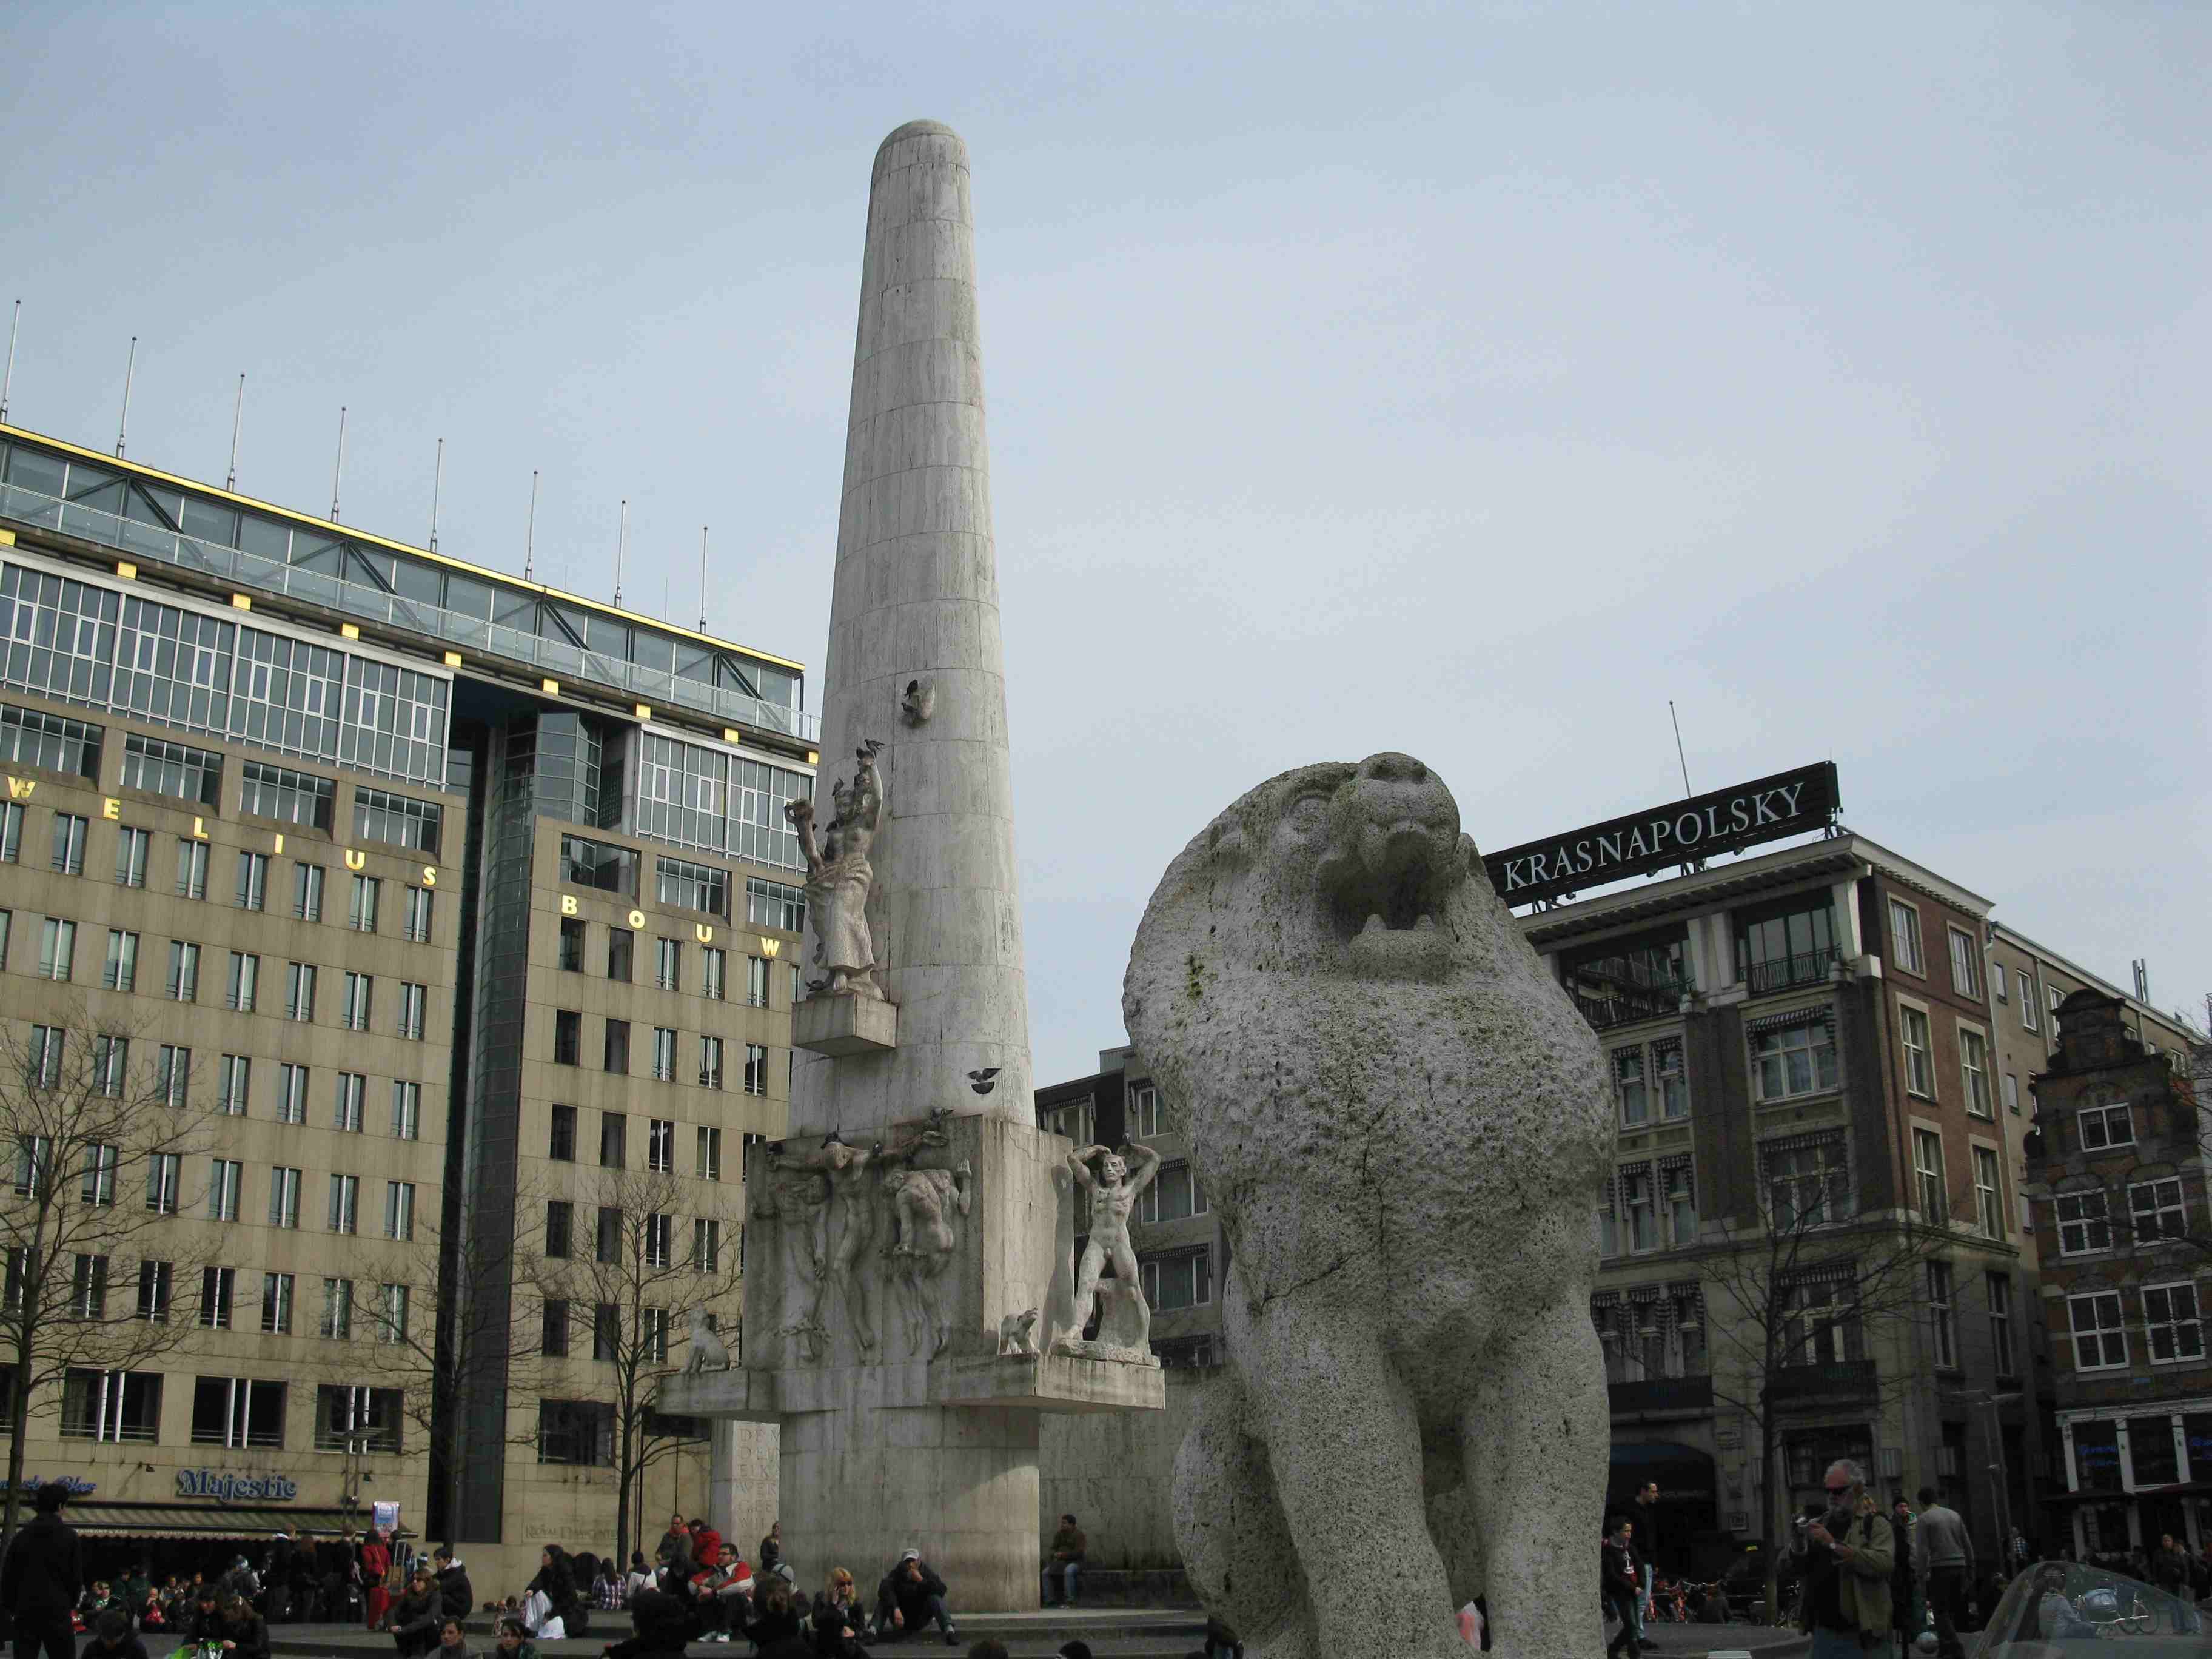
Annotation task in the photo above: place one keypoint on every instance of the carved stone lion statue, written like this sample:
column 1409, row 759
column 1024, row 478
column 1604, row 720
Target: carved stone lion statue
column 1406, row 1126
column 1018, row 1334
column 708, row 1352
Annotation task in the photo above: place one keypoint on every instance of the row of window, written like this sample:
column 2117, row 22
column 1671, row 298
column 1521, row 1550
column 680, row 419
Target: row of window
column 1142, row 1118
column 2158, row 1210
column 680, row 884
column 660, row 1139
column 228, row 1411
column 226, row 1186
column 134, row 850
column 386, row 1318
column 615, row 1046
column 648, row 1239
column 2157, row 1449
column 2172, row 1328
column 713, row 977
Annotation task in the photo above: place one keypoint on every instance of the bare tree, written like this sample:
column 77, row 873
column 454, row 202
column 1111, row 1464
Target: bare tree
column 659, row 1250
column 1806, row 1295
column 101, row 1132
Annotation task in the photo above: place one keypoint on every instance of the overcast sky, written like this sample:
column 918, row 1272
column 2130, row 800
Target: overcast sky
column 1465, row 380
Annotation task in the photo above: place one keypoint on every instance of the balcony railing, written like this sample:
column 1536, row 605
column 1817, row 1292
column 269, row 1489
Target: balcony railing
column 1848, row 1378
column 556, row 658
column 1662, row 1394
column 1623, row 1004
column 1780, row 973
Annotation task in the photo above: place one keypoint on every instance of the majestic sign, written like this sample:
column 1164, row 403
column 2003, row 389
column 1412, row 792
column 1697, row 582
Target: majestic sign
column 1725, row 821
column 247, row 1488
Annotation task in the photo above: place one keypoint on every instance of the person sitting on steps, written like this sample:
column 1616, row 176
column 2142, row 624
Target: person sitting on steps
column 910, row 1596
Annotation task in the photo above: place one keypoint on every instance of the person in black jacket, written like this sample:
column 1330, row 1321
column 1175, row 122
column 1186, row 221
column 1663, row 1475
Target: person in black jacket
column 910, row 1596
column 1620, row 1584
column 453, row 1586
column 241, row 1631
column 557, row 1579
column 662, row 1623
column 112, row 1637
column 416, row 1616
column 42, row 1578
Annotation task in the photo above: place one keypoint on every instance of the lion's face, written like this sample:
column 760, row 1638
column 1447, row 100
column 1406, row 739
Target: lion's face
column 1341, row 870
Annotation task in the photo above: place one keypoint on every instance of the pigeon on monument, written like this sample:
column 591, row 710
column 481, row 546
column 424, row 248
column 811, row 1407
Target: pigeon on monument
column 985, row 1080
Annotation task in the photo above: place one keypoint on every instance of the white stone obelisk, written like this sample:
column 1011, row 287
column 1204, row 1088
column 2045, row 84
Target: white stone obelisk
column 916, row 604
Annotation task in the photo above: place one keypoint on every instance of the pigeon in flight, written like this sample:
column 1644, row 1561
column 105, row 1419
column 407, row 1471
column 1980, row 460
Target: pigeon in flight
column 985, row 1080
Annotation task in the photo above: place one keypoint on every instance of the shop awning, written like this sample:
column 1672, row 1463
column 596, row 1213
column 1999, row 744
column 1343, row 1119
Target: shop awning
column 201, row 1520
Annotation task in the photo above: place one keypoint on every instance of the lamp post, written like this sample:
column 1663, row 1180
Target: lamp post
column 2000, row 1477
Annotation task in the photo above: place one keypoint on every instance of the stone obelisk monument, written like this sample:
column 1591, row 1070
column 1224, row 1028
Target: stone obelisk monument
column 909, row 1292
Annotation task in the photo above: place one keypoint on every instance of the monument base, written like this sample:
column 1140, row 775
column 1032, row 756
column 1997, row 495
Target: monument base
column 844, row 1025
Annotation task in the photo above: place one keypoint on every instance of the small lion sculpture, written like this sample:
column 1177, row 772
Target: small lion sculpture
column 1405, row 1124
column 707, row 1353
column 1018, row 1334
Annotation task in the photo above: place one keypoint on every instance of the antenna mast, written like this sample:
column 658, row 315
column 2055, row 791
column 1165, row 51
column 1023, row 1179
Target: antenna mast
column 621, row 547
column 702, row 578
column 8, row 381
column 437, row 485
column 338, row 471
column 1677, row 748
column 530, row 530
column 130, row 369
column 237, row 415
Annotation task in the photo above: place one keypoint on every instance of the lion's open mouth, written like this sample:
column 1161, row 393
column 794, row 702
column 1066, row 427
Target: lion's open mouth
column 1395, row 878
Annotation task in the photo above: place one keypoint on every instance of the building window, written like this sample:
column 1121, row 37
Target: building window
column 1820, row 1323
column 668, row 964
column 2100, row 1339
column 1998, row 1288
column 1998, row 988
column 1941, row 1322
column 1074, row 1120
column 607, row 1241
column 238, row 1412
column 1672, row 1079
column 51, row 742
column 173, row 1076
column 353, row 1095
column 693, row 886
column 2171, row 1325
column 561, row 1137
column 406, row 1110
column 346, row 1204
column 1175, row 1194
column 755, row 1069
column 597, row 865
column 245, row 983
column 131, row 846
column 2084, row 1224
column 100, row 1158
column 284, row 1197
column 710, row 1062
column 572, row 945
column 1181, row 1279
column 1989, row 1208
column 705, row 1245
column 578, row 1433
column 164, row 1180
column 1680, row 1198
column 1795, row 1058
column 414, row 1004
column 338, row 1310
column 1974, row 1067
column 560, row 1223
column 1629, row 1088
column 350, row 1417
column 160, row 768
column 291, row 1092
column 191, row 867
column 276, row 1304
column 307, row 892
column 614, row 1133
column 121, row 971
column 288, row 797
column 653, row 1332
column 621, row 944
column 553, row 1328
column 225, row 1175
column 11, row 833
column 183, row 984
column 1966, row 963
column 659, row 1231
column 2010, row 1089
column 756, row 981
column 366, row 900
column 568, row 1036
column 1807, row 1180
column 396, row 820
column 1144, row 1112
column 773, row 905
column 156, row 1279
column 391, row 1307
column 2027, row 1004
column 89, row 1287
column 299, row 991
column 1640, row 1204
column 614, row 1048
column 34, row 1160
column 710, row 1155
column 420, row 901
column 713, row 975
column 1931, row 1189
column 353, row 1011
column 1904, row 936
column 1795, row 948
column 218, row 1294
column 1919, row 1059
column 660, row 1145
column 664, row 1054
column 69, row 830
column 111, row 1406
column 2157, row 1210
column 399, row 1210
column 57, row 949
column 2106, row 1127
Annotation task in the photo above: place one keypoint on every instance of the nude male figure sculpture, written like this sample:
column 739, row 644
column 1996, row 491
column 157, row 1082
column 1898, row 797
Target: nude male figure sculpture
column 1110, row 1196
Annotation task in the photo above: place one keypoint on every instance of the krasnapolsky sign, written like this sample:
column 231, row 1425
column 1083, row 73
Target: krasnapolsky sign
column 1725, row 821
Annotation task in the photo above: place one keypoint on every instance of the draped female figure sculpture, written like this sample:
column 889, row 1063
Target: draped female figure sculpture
column 839, row 877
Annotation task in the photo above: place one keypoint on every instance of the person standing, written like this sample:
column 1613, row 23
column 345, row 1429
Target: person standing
column 1065, row 1560
column 375, row 1569
column 771, row 1548
column 1944, row 1552
column 1904, row 1615
column 1619, row 1587
column 1643, row 1517
column 42, row 1578
column 1848, row 1555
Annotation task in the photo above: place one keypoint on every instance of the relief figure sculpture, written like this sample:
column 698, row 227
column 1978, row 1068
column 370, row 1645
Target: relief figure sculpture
column 926, row 1206
column 839, row 879
column 853, row 1202
column 797, row 1199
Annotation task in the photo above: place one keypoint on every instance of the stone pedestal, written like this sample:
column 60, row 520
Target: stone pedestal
column 844, row 1025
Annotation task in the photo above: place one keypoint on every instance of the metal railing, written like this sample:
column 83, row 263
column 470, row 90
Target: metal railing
column 1779, row 973
column 1625, row 1005
column 1851, row 1377
column 558, row 658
